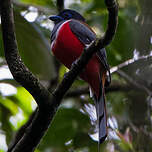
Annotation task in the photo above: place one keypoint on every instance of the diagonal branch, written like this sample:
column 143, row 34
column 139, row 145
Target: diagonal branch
column 47, row 103
column 130, row 61
column 134, row 82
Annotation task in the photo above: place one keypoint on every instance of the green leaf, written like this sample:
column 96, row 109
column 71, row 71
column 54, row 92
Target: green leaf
column 65, row 126
column 122, row 47
column 117, row 103
column 34, row 48
column 97, row 5
column 125, row 145
column 6, row 126
column 47, row 3
column 62, row 71
column 24, row 100
column 9, row 104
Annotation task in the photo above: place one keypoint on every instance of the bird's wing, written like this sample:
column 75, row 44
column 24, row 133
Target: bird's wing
column 82, row 32
column 86, row 36
column 53, row 33
column 103, row 59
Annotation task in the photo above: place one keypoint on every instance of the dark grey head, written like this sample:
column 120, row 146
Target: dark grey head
column 66, row 15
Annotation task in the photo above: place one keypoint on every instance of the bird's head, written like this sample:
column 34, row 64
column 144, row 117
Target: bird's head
column 66, row 15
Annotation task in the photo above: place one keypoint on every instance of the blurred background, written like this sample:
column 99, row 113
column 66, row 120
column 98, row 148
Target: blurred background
column 129, row 98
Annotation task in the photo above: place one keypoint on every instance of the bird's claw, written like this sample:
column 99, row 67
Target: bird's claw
column 65, row 74
column 74, row 63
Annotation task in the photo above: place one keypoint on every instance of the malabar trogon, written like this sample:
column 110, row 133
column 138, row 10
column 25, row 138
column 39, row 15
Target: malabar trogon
column 69, row 37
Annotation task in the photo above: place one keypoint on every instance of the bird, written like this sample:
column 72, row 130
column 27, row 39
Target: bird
column 70, row 35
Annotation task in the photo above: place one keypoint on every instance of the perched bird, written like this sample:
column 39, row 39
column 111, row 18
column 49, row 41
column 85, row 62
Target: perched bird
column 69, row 37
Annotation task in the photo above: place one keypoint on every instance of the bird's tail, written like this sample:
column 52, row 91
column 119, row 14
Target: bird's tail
column 101, row 116
column 101, row 113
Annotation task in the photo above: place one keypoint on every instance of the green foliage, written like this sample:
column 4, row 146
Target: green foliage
column 47, row 3
column 119, row 50
column 66, row 126
column 69, row 129
column 24, row 100
column 33, row 45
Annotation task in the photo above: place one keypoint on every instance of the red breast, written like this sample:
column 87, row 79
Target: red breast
column 67, row 48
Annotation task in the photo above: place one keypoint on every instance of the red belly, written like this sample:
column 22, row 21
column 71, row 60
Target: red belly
column 67, row 48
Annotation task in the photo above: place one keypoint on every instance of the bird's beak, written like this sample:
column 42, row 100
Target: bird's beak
column 56, row 18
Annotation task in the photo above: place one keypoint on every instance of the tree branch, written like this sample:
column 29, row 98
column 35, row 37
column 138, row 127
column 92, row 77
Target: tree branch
column 60, row 5
column 130, row 61
column 21, row 131
column 134, row 82
column 47, row 103
column 114, row 87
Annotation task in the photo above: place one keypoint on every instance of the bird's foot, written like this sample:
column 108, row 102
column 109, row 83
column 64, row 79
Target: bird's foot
column 65, row 74
column 74, row 63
